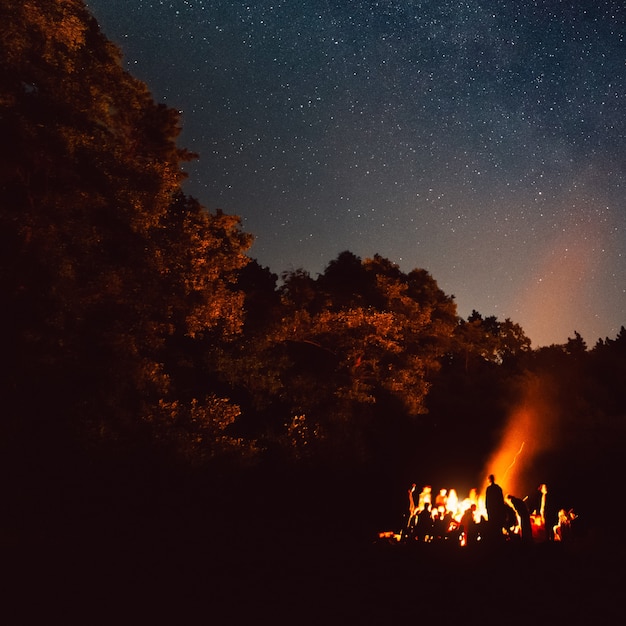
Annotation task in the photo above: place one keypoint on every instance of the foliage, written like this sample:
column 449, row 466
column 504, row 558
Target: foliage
column 489, row 340
column 133, row 314
column 103, row 259
column 338, row 353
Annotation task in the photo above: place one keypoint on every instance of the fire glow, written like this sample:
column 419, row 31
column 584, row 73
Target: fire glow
column 529, row 431
column 446, row 516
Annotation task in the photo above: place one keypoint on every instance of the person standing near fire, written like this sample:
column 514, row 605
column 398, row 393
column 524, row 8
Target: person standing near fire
column 496, row 509
column 469, row 526
column 545, row 511
column 425, row 498
column 412, row 519
column 441, row 499
column 424, row 526
column 523, row 518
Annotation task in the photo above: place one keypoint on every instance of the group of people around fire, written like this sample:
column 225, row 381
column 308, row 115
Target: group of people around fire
column 492, row 518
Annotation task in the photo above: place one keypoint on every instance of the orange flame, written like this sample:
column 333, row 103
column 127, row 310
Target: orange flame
column 529, row 431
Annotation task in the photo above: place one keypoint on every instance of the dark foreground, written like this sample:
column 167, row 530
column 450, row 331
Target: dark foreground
column 248, row 556
column 150, row 576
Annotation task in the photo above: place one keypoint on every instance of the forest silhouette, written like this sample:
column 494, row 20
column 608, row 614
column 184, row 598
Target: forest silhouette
column 167, row 399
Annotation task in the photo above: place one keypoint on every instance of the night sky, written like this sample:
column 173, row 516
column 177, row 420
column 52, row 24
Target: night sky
column 481, row 141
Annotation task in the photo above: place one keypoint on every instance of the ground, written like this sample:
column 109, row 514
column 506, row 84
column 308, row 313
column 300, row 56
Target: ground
column 148, row 576
column 254, row 555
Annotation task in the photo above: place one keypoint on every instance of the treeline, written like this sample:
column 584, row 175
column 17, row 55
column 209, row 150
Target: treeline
column 134, row 321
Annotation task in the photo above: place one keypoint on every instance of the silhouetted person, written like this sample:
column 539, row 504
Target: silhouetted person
column 410, row 526
column 546, row 511
column 470, row 527
column 563, row 530
column 543, row 490
column 496, row 509
column 439, row 524
column 425, row 498
column 424, row 526
column 441, row 499
column 511, row 521
column 450, row 524
column 523, row 517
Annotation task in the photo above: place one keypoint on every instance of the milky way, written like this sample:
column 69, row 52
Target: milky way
column 482, row 141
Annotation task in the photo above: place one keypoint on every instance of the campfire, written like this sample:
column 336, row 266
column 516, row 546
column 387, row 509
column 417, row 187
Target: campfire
column 445, row 516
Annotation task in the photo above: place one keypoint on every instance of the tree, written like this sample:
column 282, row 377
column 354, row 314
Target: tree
column 349, row 352
column 487, row 340
column 104, row 263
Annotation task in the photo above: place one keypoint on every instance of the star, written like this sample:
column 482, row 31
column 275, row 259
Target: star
column 466, row 138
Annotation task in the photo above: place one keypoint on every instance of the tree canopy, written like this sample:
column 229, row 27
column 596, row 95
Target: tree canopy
column 133, row 314
column 103, row 258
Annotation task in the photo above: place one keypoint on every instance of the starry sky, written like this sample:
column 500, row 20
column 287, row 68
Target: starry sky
column 484, row 141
